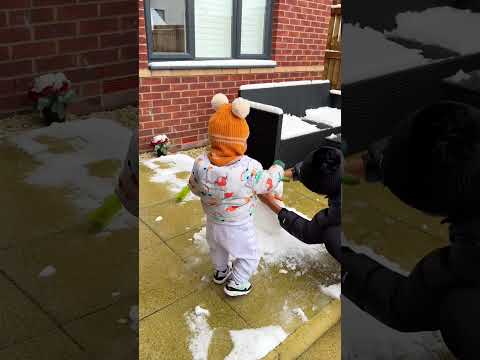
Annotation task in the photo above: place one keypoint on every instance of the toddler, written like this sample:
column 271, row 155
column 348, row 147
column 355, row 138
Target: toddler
column 227, row 181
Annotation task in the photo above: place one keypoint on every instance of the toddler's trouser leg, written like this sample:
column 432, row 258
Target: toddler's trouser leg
column 218, row 254
column 243, row 269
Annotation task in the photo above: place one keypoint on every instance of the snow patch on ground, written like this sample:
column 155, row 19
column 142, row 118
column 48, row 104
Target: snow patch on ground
column 288, row 314
column 367, row 53
column 334, row 291
column 325, row 115
column 86, row 142
column 279, row 247
column 276, row 245
column 299, row 312
column 133, row 315
column 248, row 344
column 47, row 271
column 177, row 163
column 459, row 77
column 366, row 338
column 429, row 27
column 199, row 311
column 200, row 331
column 254, row 344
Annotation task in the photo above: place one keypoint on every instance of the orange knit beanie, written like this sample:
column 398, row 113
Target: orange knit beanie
column 228, row 130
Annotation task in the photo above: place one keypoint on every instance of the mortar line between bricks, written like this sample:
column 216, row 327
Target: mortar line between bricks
column 50, row 316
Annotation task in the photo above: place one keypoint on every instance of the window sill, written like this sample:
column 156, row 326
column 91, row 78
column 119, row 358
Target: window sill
column 211, row 64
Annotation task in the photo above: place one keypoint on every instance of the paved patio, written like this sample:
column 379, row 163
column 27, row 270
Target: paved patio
column 175, row 277
column 81, row 309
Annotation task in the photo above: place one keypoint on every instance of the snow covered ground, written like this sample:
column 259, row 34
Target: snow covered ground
column 248, row 344
column 64, row 152
column 277, row 247
column 447, row 27
column 166, row 169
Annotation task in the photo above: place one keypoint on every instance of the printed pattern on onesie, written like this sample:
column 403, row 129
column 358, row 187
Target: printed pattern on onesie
column 228, row 193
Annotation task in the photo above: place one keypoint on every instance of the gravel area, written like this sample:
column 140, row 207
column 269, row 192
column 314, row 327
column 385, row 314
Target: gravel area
column 127, row 116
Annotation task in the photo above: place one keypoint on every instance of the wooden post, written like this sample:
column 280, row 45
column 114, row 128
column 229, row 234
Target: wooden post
column 333, row 54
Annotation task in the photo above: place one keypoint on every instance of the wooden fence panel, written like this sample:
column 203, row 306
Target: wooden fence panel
column 333, row 54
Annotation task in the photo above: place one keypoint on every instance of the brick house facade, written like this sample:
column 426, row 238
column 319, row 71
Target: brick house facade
column 94, row 42
column 177, row 102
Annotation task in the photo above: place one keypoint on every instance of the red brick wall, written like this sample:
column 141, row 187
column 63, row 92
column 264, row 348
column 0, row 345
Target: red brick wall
column 94, row 42
column 300, row 31
column 178, row 104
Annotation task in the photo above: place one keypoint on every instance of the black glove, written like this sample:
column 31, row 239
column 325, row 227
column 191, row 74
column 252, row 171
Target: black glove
column 373, row 160
column 296, row 171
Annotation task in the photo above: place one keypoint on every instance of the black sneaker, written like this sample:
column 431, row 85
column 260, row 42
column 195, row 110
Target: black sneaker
column 234, row 289
column 219, row 277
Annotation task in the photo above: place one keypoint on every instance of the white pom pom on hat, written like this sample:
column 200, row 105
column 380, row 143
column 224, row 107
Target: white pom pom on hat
column 219, row 100
column 241, row 108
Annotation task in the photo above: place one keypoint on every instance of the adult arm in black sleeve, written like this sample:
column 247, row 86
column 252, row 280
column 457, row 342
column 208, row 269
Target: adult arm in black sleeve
column 405, row 303
column 324, row 228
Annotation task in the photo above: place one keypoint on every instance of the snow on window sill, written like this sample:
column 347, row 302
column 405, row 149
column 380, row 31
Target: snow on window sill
column 210, row 64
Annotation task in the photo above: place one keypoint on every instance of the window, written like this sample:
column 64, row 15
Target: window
column 208, row 29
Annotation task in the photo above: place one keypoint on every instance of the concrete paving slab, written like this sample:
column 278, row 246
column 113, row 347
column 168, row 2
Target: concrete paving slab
column 372, row 195
column 328, row 347
column 147, row 238
column 29, row 210
column 306, row 206
column 389, row 232
column 166, row 335
column 274, row 298
column 164, row 279
column 49, row 346
column 151, row 193
column 21, row 319
column 88, row 269
column 175, row 218
column 108, row 334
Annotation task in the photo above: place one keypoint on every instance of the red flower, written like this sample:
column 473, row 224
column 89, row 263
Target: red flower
column 47, row 91
column 64, row 88
column 33, row 95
